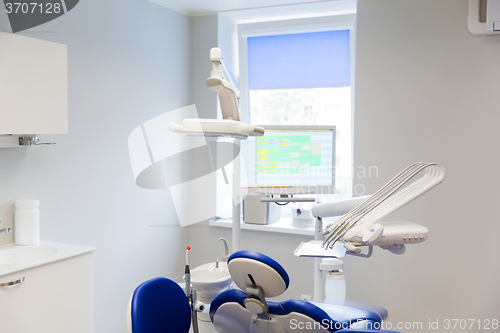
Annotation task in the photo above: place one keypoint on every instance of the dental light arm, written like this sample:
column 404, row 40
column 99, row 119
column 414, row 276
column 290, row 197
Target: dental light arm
column 362, row 227
column 226, row 85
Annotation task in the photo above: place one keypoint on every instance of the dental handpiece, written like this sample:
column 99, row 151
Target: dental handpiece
column 187, row 275
column 335, row 231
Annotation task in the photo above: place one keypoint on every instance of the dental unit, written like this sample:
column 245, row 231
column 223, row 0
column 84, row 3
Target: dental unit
column 208, row 304
column 362, row 225
column 247, row 309
column 259, row 276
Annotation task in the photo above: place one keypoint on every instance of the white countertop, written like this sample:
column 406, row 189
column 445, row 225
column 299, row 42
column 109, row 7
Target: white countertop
column 61, row 251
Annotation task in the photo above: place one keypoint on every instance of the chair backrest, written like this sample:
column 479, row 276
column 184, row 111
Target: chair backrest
column 158, row 305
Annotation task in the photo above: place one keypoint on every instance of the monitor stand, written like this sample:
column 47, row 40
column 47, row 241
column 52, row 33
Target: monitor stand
column 286, row 198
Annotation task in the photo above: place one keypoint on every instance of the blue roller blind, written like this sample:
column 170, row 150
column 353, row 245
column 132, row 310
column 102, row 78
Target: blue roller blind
column 305, row 60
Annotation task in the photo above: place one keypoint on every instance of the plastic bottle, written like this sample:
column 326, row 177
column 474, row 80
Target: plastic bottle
column 335, row 289
column 27, row 222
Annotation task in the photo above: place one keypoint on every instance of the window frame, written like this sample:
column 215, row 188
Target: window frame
column 305, row 25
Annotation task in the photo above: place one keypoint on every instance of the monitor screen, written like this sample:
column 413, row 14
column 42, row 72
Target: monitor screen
column 288, row 160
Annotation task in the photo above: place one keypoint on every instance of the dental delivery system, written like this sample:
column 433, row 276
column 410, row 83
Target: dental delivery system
column 361, row 226
column 226, row 85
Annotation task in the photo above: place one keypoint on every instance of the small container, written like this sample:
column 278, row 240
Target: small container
column 27, row 222
column 335, row 289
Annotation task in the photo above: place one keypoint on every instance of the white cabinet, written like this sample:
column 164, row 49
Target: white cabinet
column 33, row 86
column 54, row 298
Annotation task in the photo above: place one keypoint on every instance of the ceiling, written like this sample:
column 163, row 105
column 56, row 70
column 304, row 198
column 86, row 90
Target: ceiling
column 207, row 7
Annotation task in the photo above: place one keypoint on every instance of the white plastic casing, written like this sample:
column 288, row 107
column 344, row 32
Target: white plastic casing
column 388, row 233
column 216, row 127
column 228, row 97
column 331, row 264
column 373, row 235
column 492, row 24
column 215, row 54
column 493, row 17
column 264, row 276
column 401, row 232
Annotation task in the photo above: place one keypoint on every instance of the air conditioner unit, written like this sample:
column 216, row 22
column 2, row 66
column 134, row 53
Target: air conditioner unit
column 484, row 17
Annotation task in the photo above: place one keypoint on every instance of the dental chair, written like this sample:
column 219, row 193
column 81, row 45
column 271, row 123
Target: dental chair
column 248, row 311
column 157, row 306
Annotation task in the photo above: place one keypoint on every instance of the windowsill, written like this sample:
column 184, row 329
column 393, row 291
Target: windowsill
column 283, row 226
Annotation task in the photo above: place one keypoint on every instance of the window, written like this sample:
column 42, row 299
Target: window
column 301, row 73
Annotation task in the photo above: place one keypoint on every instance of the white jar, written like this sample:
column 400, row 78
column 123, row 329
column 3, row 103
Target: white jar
column 27, row 222
column 335, row 289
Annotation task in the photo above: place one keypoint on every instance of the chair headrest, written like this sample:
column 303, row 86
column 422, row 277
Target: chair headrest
column 249, row 267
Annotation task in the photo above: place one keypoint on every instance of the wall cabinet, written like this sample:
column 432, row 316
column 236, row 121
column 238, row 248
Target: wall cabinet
column 33, row 86
column 54, row 298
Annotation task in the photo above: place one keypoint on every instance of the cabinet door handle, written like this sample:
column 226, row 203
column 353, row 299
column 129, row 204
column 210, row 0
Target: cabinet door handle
column 12, row 283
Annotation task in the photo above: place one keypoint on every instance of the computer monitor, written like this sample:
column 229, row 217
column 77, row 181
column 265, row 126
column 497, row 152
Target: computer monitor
column 288, row 160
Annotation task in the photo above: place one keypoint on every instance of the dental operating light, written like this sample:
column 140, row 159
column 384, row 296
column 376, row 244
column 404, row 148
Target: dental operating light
column 226, row 85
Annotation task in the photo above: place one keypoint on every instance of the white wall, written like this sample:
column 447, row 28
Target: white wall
column 202, row 38
column 128, row 62
column 426, row 91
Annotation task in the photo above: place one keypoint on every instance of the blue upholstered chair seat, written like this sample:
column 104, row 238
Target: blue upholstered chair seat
column 252, row 270
column 293, row 312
